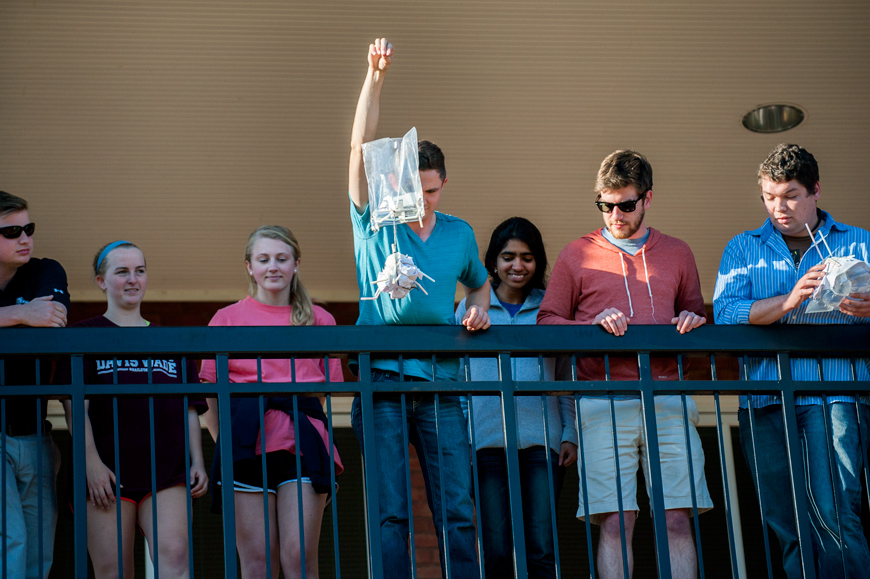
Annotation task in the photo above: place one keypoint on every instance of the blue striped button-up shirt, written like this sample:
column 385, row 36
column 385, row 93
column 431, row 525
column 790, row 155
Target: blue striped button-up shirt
column 757, row 265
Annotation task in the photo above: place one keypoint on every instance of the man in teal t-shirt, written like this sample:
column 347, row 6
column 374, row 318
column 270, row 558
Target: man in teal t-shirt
column 445, row 249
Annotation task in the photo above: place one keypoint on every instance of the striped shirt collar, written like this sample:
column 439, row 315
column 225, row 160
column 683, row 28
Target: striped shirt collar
column 766, row 230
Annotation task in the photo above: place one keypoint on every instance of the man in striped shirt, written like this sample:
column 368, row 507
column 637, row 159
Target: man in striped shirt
column 767, row 276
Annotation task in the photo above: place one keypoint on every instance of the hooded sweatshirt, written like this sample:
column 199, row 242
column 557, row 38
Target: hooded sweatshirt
column 651, row 287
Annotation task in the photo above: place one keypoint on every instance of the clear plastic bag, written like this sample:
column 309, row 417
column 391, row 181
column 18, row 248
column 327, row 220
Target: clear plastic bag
column 392, row 170
column 843, row 276
column 395, row 197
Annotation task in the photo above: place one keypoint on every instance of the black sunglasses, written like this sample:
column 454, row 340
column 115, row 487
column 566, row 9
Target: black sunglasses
column 14, row 231
column 625, row 206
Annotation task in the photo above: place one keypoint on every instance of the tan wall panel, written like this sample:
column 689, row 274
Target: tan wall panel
column 184, row 125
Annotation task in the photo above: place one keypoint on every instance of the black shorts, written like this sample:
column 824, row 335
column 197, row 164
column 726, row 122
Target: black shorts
column 280, row 467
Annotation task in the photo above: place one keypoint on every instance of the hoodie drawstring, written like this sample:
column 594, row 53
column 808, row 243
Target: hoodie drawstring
column 625, row 279
column 648, row 287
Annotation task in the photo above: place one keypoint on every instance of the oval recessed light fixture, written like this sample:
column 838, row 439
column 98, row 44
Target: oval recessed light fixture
column 773, row 118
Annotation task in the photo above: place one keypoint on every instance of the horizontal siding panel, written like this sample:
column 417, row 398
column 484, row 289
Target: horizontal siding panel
column 183, row 126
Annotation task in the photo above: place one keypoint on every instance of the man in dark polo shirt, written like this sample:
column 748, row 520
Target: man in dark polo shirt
column 33, row 292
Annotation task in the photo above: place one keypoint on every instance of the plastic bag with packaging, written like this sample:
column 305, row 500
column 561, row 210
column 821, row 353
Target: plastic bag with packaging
column 843, row 276
column 395, row 197
column 393, row 174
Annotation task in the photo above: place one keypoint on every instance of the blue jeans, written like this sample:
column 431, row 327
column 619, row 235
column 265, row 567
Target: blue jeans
column 393, row 470
column 829, row 535
column 495, row 513
column 23, row 454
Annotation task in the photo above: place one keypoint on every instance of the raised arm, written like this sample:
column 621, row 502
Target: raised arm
column 365, row 121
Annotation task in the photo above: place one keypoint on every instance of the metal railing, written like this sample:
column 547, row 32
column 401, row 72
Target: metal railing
column 642, row 343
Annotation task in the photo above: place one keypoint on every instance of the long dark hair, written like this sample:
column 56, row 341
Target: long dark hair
column 521, row 229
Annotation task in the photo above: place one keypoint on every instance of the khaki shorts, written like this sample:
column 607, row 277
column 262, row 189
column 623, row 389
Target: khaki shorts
column 600, row 465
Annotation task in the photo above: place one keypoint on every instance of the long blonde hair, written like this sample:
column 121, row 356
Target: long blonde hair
column 303, row 309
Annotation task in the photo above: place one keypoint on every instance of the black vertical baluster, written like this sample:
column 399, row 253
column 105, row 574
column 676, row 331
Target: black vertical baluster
column 373, row 513
column 222, row 387
column 582, row 458
column 795, row 460
column 743, row 369
column 261, row 411
column 694, row 490
column 80, row 488
column 116, row 440
column 298, row 473
column 728, row 512
column 654, row 466
column 298, row 458
column 332, row 475
column 751, row 413
column 475, row 480
column 439, row 439
column 40, row 542
column 621, row 508
column 624, row 546
column 578, row 423
column 3, row 469
column 188, row 499
column 117, row 445
column 722, row 463
column 829, row 444
column 515, row 495
column 402, row 368
column 552, row 487
column 700, row 551
column 557, row 561
column 331, row 453
column 150, row 363
column 413, row 550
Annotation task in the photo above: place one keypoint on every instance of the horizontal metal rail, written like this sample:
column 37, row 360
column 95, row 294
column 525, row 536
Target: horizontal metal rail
column 421, row 341
column 641, row 344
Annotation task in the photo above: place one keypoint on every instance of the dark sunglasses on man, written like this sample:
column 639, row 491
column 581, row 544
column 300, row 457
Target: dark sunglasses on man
column 625, row 206
column 14, row 231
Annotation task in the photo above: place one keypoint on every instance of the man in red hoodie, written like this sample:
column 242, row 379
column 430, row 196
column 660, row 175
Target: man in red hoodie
column 626, row 273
